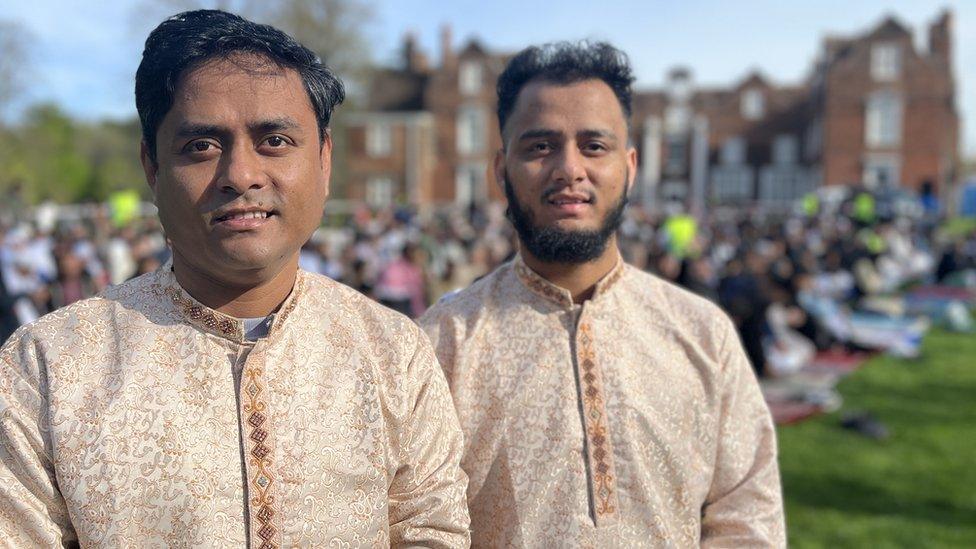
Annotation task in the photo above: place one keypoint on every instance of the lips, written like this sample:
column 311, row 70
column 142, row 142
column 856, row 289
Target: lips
column 569, row 204
column 566, row 201
column 243, row 215
column 566, row 198
column 242, row 219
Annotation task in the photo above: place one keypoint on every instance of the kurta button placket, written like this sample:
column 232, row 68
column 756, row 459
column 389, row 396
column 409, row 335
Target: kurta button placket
column 599, row 450
column 259, row 463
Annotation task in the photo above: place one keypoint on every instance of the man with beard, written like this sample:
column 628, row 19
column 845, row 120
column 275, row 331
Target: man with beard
column 601, row 406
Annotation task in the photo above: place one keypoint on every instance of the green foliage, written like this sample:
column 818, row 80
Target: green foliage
column 58, row 158
column 914, row 489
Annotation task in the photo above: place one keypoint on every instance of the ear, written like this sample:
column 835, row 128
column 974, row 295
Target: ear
column 631, row 168
column 325, row 157
column 149, row 167
column 498, row 170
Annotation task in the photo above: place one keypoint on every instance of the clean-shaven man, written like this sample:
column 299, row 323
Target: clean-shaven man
column 229, row 399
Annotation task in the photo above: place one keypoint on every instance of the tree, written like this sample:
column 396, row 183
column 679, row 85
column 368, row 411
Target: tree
column 14, row 63
column 334, row 29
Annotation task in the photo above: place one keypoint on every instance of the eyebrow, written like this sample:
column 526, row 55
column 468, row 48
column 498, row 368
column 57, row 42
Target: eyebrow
column 260, row 127
column 538, row 133
column 273, row 125
column 198, row 130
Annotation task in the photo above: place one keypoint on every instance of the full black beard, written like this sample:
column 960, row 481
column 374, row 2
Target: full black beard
column 554, row 245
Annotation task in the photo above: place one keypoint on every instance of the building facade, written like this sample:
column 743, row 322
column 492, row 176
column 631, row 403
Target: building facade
column 428, row 135
column 875, row 110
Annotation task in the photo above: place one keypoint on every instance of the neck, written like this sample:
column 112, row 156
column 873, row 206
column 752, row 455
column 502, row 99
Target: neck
column 239, row 298
column 579, row 278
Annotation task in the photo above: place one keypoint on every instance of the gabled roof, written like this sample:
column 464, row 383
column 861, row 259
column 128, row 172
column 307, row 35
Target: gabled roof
column 890, row 27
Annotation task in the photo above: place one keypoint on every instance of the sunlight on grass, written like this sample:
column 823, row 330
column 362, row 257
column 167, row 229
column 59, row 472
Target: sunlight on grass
column 916, row 489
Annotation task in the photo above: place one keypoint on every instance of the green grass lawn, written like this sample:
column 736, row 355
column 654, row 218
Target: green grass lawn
column 915, row 489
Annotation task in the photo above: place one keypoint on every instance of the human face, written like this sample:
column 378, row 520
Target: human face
column 566, row 157
column 241, row 175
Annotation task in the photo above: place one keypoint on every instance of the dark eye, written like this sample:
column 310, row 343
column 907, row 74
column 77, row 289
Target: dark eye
column 541, row 147
column 200, row 146
column 275, row 141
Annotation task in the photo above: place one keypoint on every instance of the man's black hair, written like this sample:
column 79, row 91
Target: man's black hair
column 184, row 41
column 565, row 63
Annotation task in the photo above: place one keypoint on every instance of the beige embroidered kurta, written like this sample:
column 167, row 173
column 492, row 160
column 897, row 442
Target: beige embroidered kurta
column 120, row 426
column 632, row 420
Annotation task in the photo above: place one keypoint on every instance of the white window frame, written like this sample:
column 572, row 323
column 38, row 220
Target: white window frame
column 380, row 191
column 752, row 105
column 469, row 184
column 470, row 77
column 472, row 130
column 885, row 61
column 379, row 139
column 883, row 112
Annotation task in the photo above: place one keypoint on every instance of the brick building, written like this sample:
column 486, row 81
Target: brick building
column 429, row 133
column 875, row 109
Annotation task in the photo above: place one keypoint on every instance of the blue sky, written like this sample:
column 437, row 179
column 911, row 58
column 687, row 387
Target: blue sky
column 85, row 54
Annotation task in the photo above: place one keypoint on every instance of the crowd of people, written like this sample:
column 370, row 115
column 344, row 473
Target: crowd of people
column 792, row 284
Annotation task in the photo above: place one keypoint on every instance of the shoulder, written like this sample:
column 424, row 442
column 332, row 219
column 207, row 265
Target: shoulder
column 69, row 329
column 466, row 305
column 675, row 308
column 327, row 295
column 93, row 314
column 351, row 312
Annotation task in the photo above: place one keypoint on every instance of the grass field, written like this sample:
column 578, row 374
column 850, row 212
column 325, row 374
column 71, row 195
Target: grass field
column 915, row 489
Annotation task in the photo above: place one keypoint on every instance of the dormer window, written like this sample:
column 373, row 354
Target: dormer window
column 753, row 104
column 469, row 77
column 885, row 62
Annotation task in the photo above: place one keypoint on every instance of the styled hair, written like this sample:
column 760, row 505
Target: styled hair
column 565, row 63
column 187, row 40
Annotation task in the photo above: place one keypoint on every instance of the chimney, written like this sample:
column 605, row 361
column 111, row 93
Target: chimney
column 940, row 37
column 448, row 60
column 414, row 60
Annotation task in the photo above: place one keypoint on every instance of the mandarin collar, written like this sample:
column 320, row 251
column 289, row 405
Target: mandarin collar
column 214, row 322
column 556, row 294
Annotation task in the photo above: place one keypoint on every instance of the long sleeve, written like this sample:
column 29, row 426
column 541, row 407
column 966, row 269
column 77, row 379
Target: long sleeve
column 744, row 507
column 32, row 510
column 427, row 496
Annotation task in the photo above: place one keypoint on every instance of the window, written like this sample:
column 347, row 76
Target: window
column 882, row 171
column 733, row 152
column 812, row 142
column 752, row 106
column 677, row 118
column 379, row 139
column 732, row 183
column 784, row 150
column 469, row 77
column 783, row 183
column 471, row 129
column 885, row 62
column 470, row 184
column 379, row 191
column 676, row 156
column 882, row 121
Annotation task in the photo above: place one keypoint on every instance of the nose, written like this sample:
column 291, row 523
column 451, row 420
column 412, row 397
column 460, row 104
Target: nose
column 569, row 166
column 242, row 171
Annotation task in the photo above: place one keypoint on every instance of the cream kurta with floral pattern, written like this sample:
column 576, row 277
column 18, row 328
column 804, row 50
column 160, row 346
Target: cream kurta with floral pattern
column 631, row 420
column 120, row 426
